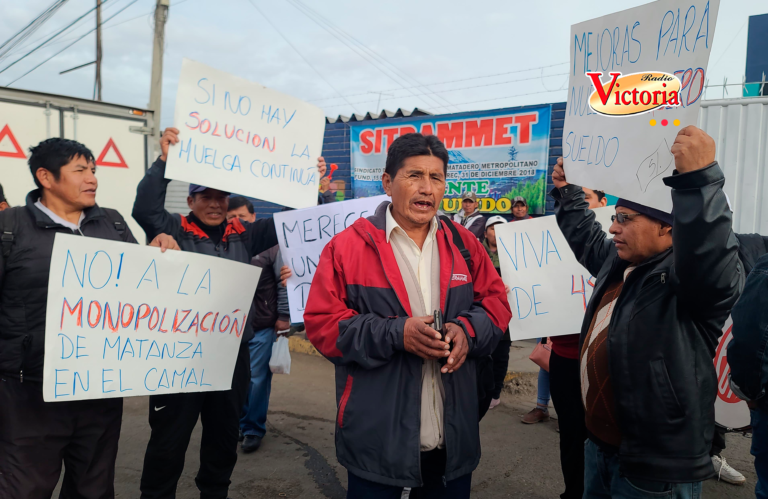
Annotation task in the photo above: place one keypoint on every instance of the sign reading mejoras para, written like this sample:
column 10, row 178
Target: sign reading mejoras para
column 125, row 320
column 497, row 154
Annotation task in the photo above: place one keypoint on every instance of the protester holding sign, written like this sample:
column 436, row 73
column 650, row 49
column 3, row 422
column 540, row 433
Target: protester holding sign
column 651, row 327
column 407, row 395
column 35, row 436
column 173, row 417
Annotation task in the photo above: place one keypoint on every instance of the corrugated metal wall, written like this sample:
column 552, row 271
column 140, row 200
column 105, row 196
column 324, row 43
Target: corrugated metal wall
column 740, row 130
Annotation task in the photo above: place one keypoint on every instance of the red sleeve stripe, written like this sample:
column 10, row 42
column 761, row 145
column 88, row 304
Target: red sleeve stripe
column 468, row 325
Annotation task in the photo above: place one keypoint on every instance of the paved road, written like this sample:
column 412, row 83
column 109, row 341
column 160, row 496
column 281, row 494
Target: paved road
column 297, row 458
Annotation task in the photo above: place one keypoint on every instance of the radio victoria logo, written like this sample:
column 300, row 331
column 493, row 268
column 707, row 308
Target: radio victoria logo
column 636, row 93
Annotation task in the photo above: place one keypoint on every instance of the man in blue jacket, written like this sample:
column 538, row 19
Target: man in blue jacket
column 749, row 364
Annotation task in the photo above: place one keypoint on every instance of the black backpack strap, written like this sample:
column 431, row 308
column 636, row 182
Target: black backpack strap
column 118, row 221
column 458, row 242
column 7, row 230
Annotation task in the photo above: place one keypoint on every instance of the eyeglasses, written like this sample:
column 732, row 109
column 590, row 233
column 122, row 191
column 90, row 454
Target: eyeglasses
column 623, row 217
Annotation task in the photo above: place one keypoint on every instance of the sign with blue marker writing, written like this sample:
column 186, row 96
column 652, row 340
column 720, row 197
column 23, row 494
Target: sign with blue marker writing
column 636, row 79
column 238, row 136
column 302, row 235
column 549, row 289
column 125, row 320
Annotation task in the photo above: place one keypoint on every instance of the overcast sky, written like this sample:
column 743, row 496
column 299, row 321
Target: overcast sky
column 414, row 42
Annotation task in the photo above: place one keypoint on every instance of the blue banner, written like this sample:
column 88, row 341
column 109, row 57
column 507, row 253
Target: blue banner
column 498, row 154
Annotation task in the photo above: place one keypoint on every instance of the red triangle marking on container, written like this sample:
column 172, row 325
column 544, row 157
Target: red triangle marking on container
column 6, row 132
column 101, row 162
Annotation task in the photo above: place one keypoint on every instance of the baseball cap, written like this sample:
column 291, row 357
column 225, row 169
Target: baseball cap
column 469, row 195
column 497, row 219
column 519, row 199
column 195, row 188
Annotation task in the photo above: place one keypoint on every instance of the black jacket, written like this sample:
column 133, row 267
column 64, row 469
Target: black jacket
column 665, row 326
column 241, row 241
column 24, row 280
column 747, row 349
column 270, row 302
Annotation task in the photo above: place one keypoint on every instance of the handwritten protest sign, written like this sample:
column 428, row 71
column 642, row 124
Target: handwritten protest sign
column 125, row 320
column 302, row 235
column 238, row 136
column 549, row 289
column 629, row 155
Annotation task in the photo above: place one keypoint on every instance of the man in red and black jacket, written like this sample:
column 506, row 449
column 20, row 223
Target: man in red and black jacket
column 172, row 417
column 406, row 419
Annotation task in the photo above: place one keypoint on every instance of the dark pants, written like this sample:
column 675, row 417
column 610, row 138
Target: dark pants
column 432, row 473
column 760, row 451
column 36, row 437
column 565, row 387
column 500, row 358
column 172, row 419
column 718, row 441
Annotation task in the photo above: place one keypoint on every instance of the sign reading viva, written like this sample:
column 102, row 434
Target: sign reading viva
column 125, row 320
column 240, row 137
column 636, row 80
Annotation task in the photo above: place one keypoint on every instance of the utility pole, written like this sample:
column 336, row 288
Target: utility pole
column 156, row 83
column 97, row 83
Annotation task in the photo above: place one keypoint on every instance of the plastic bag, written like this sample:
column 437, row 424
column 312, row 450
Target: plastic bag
column 280, row 362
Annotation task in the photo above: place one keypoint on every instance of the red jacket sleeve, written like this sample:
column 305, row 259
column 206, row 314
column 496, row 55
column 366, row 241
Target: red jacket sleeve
column 341, row 334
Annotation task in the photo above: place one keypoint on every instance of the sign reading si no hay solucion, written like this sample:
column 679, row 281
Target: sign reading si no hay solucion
column 497, row 154
column 238, row 136
column 125, row 320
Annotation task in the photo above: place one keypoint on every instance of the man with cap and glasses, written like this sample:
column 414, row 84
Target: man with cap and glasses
column 469, row 216
column 520, row 209
column 172, row 417
column 651, row 327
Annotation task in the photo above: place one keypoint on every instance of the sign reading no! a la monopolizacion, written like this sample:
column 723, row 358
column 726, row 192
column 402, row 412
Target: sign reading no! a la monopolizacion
column 125, row 320
column 238, row 136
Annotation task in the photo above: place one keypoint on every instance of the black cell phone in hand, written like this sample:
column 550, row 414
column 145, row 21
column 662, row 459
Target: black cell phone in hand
column 439, row 326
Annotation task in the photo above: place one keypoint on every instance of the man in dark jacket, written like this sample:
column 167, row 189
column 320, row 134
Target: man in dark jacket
column 36, row 436
column 173, row 417
column 746, row 354
column 269, row 314
column 406, row 419
column 651, row 327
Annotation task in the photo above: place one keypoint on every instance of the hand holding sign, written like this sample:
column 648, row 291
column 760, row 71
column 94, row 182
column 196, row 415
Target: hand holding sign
column 165, row 242
column 558, row 174
column 693, row 149
column 170, row 137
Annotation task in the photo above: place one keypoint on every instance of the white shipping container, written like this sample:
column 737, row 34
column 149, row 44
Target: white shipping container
column 740, row 129
column 117, row 136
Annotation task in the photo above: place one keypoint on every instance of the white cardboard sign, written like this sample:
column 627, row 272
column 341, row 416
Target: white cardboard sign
column 240, row 137
column 626, row 155
column 125, row 320
column 549, row 289
column 302, row 235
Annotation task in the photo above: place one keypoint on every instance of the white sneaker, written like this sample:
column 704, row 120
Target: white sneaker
column 726, row 473
column 494, row 403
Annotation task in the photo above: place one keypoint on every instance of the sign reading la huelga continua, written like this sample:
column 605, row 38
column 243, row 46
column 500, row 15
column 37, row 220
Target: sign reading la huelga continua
column 124, row 320
column 497, row 154
column 238, row 136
